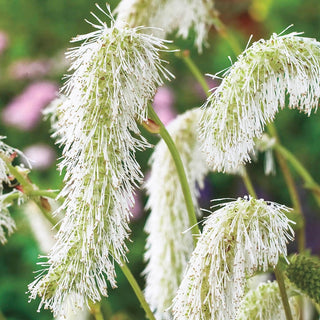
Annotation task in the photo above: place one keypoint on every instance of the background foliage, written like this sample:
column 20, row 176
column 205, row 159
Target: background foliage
column 37, row 32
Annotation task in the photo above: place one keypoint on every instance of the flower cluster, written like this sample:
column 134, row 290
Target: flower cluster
column 243, row 236
column 116, row 71
column 168, row 246
column 169, row 16
column 253, row 90
column 265, row 303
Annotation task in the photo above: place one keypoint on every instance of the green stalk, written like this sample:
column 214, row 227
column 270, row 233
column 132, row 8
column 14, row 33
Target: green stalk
column 225, row 34
column 248, row 184
column 43, row 193
column 185, row 56
column 137, row 291
column 301, row 239
column 95, row 310
column 28, row 187
column 283, row 293
column 180, row 170
column 300, row 169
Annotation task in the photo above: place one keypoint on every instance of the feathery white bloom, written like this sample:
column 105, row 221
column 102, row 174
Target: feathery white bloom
column 7, row 224
column 44, row 234
column 168, row 246
column 265, row 303
column 169, row 16
column 253, row 90
column 243, row 236
column 116, row 72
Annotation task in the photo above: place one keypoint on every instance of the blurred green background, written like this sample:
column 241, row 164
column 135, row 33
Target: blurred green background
column 34, row 35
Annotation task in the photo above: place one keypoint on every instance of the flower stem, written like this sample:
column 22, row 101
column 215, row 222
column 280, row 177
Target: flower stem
column 2, row 317
column 248, row 184
column 180, row 170
column 185, row 56
column 225, row 34
column 44, row 193
column 28, row 188
column 95, row 310
column 283, row 293
column 304, row 174
column 301, row 239
column 137, row 290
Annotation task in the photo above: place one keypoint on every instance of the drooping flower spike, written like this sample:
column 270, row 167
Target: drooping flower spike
column 265, row 303
column 242, row 237
column 168, row 246
column 252, row 92
column 116, row 71
column 170, row 16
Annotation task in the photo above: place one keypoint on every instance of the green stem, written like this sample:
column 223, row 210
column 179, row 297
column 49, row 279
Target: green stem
column 248, row 184
column 180, row 170
column 228, row 36
column 304, row 174
column 10, row 197
column 301, row 237
column 185, row 56
column 2, row 317
column 137, row 291
column 283, row 293
column 44, row 193
column 95, row 310
column 28, row 187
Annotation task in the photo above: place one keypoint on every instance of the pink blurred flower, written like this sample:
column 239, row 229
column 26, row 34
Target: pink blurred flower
column 137, row 210
column 3, row 41
column 163, row 104
column 24, row 112
column 41, row 156
column 27, row 69
column 212, row 83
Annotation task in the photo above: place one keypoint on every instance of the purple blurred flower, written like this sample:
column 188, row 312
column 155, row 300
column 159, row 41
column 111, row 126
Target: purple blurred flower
column 26, row 69
column 41, row 156
column 211, row 84
column 137, row 210
column 163, row 104
column 3, row 41
column 24, row 111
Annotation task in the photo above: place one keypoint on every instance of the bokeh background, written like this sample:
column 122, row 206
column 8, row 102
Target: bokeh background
column 34, row 35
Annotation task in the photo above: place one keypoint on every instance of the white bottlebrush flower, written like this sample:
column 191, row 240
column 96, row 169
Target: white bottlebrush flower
column 237, row 240
column 170, row 16
column 44, row 235
column 116, row 71
column 265, row 303
column 253, row 90
column 7, row 224
column 168, row 246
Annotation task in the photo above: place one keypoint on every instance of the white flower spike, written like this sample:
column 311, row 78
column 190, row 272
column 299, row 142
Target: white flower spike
column 252, row 92
column 116, row 71
column 169, row 16
column 168, row 246
column 7, row 224
column 264, row 303
column 242, row 237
